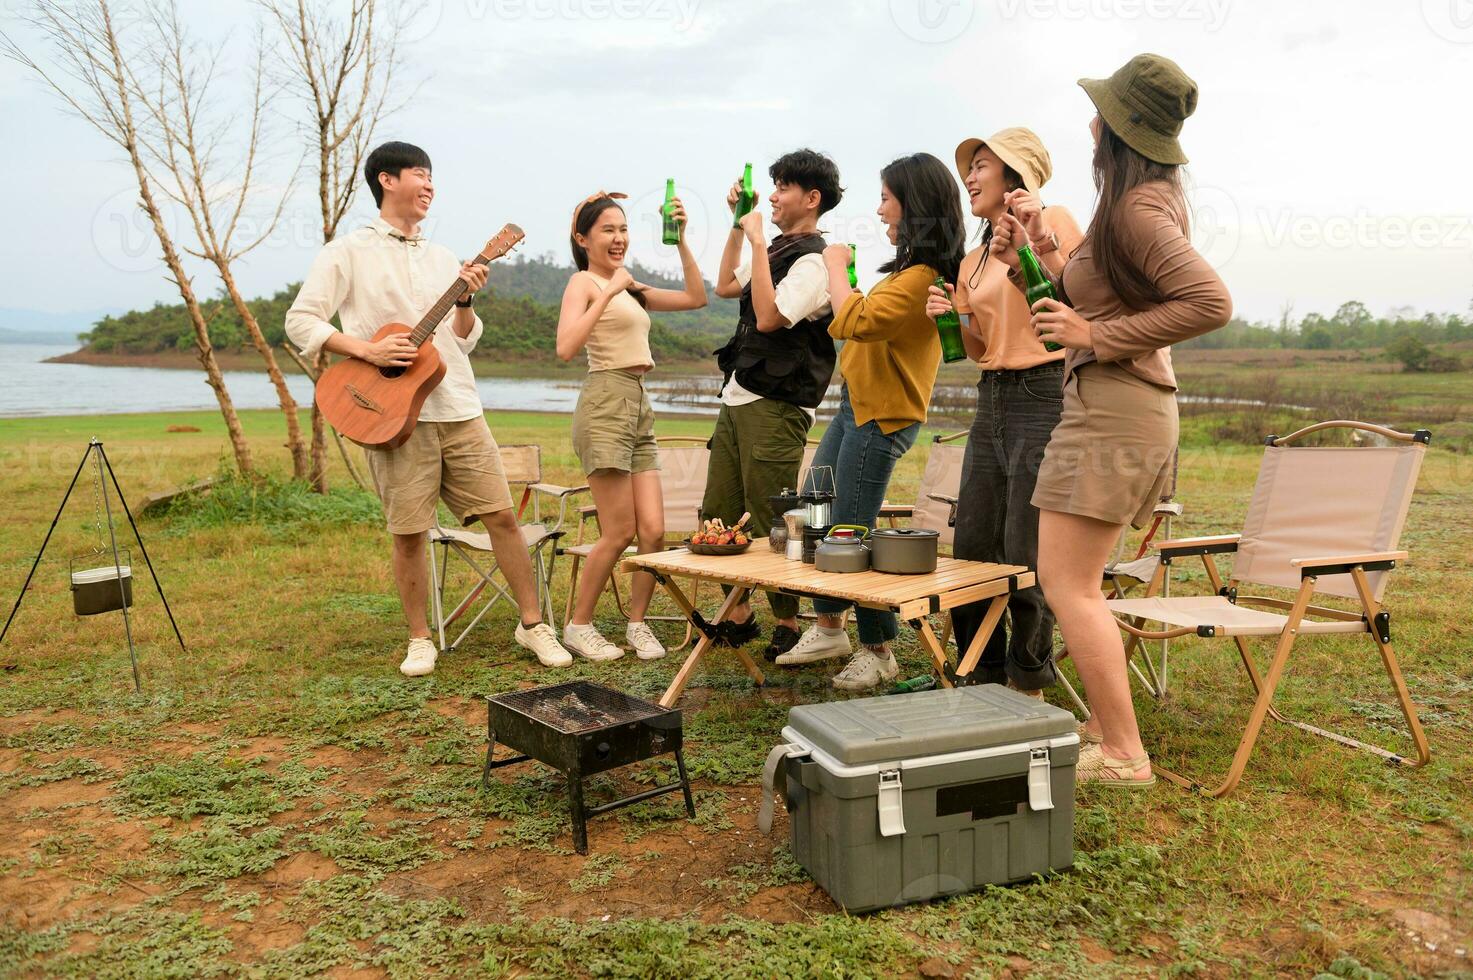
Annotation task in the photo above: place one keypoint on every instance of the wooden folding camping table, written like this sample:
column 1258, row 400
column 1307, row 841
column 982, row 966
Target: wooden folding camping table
column 910, row 597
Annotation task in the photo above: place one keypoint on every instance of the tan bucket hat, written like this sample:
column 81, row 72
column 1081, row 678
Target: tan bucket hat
column 1018, row 147
column 1145, row 103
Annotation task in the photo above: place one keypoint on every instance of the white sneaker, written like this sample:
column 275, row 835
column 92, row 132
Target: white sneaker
column 646, row 645
column 588, row 643
column 541, row 640
column 816, row 645
column 421, row 657
column 867, row 671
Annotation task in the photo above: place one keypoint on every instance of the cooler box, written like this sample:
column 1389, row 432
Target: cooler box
column 908, row 797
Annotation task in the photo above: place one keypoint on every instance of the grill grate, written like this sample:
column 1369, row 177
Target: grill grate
column 578, row 706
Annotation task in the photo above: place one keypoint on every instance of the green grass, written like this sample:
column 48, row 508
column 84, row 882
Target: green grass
column 279, row 801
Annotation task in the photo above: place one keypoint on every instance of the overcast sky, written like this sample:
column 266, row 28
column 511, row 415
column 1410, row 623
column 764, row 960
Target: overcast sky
column 1328, row 159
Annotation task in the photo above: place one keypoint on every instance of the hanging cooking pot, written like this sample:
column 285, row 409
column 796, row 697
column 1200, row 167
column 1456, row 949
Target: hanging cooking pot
column 842, row 550
column 903, row 550
column 100, row 590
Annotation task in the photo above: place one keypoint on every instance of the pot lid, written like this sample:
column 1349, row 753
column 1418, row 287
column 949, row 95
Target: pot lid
column 904, row 532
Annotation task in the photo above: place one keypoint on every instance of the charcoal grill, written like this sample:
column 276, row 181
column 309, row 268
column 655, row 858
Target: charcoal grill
column 580, row 729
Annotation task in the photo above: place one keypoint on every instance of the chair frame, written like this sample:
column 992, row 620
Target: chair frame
column 543, row 554
column 1375, row 619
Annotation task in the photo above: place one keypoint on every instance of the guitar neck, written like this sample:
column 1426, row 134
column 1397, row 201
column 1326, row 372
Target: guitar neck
column 426, row 326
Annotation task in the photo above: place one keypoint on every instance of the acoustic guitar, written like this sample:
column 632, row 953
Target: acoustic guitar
column 377, row 407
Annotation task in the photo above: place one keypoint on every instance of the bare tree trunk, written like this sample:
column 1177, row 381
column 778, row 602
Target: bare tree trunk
column 295, row 444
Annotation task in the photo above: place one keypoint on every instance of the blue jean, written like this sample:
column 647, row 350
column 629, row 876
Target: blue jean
column 862, row 458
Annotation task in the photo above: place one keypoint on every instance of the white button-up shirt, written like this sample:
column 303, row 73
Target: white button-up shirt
column 373, row 276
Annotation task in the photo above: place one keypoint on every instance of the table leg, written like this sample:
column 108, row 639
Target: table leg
column 935, row 648
column 995, row 608
column 682, row 676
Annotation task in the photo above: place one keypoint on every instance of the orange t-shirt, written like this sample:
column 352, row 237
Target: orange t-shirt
column 999, row 309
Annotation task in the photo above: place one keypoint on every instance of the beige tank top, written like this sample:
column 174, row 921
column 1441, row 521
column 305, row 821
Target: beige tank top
column 621, row 337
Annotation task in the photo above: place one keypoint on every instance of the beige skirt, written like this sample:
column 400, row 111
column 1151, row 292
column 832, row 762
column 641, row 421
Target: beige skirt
column 1110, row 456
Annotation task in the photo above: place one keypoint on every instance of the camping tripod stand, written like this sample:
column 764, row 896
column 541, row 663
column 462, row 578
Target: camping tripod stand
column 100, row 460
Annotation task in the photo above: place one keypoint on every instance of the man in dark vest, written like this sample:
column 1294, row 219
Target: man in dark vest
column 776, row 367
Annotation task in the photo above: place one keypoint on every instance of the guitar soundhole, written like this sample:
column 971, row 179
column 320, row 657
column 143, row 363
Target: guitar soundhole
column 391, row 372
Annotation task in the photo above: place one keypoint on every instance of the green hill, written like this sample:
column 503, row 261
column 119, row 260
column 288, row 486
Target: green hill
column 519, row 307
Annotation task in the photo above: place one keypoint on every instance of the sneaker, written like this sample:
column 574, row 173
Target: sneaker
column 646, row 645
column 421, row 657
column 588, row 643
column 815, row 645
column 867, row 671
column 783, row 639
column 1096, row 767
column 740, row 634
column 541, row 640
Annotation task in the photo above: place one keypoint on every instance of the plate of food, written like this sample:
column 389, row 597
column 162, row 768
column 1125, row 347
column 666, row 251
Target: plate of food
column 715, row 538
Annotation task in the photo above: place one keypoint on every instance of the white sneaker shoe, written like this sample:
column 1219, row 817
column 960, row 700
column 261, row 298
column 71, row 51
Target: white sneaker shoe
column 816, row 645
column 867, row 671
column 421, row 657
column 646, row 645
column 542, row 641
column 588, row 643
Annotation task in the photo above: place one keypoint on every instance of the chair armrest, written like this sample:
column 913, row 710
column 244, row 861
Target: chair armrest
column 588, row 510
column 949, row 501
column 554, row 490
column 896, row 510
column 1168, row 507
column 1211, row 544
column 1374, row 561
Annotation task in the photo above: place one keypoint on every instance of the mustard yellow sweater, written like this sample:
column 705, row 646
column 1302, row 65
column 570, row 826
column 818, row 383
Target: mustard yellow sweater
column 892, row 352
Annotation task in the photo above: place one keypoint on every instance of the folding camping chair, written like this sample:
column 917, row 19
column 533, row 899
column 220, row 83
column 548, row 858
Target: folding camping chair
column 523, row 467
column 1322, row 520
column 941, row 484
column 684, row 461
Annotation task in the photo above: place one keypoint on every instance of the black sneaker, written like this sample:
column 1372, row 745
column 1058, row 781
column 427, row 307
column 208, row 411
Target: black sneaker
column 783, row 640
column 740, row 634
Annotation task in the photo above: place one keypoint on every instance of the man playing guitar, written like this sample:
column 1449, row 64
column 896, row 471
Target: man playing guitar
column 387, row 273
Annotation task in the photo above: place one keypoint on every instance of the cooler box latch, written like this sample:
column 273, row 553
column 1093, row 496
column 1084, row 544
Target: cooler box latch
column 892, row 818
column 1040, row 781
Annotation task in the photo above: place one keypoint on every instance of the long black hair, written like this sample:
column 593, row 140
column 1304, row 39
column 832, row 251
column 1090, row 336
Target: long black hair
column 1011, row 181
column 588, row 216
column 1117, row 170
column 931, row 230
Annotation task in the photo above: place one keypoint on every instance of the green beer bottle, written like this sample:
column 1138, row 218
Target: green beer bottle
column 925, row 682
column 746, row 198
column 949, row 326
column 1038, row 285
column 853, row 276
column 671, row 235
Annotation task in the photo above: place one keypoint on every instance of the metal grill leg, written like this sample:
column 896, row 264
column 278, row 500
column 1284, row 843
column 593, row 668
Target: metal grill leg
column 690, row 804
column 580, row 818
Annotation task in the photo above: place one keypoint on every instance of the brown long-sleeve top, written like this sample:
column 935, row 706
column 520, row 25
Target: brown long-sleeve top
column 891, row 351
column 1197, row 302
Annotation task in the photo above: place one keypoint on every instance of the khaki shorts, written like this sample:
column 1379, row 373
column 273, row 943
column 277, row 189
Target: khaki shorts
column 1110, row 455
column 613, row 425
column 454, row 461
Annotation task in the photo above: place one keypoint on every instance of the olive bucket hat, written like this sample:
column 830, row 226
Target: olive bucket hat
column 1145, row 104
column 1018, row 147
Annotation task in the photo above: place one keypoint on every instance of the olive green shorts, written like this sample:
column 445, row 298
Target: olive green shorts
column 613, row 425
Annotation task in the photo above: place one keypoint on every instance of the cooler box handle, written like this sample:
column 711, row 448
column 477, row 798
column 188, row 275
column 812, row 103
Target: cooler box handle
column 775, row 758
column 888, row 799
column 1040, row 781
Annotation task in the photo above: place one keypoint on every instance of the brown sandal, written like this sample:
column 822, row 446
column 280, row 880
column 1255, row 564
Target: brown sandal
column 1097, row 768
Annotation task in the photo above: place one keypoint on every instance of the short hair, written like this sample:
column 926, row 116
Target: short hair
column 811, row 171
column 390, row 158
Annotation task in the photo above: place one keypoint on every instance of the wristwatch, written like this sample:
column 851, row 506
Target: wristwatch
column 465, row 301
column 1049, row 244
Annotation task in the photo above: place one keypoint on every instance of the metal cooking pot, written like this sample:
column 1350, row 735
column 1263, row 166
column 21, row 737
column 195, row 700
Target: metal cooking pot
column 842, row 550
column 903, row 550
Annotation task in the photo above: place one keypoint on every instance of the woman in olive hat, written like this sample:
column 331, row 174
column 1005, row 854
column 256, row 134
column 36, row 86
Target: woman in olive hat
column 1019, row 393
column 1135, row 286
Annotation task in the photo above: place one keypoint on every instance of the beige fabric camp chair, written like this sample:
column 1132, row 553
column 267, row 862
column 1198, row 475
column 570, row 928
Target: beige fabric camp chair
column 523, row 467
column 1322, row 520
column 941, row 483
column 684, row 461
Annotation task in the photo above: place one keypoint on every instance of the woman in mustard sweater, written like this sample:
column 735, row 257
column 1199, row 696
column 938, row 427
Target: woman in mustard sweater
column 889, row 361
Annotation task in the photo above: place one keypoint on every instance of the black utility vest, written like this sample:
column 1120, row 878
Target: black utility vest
column 792, row 364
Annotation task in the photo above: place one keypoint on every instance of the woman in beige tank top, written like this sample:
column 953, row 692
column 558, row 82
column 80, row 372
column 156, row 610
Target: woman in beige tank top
column 606, row 313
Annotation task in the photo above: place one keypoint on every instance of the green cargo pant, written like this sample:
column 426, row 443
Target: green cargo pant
column 756, row 451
